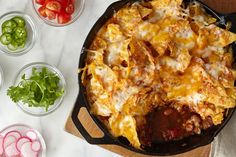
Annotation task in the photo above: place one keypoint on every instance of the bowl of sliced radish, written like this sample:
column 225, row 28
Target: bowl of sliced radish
column 20, row 140
column 58, row 12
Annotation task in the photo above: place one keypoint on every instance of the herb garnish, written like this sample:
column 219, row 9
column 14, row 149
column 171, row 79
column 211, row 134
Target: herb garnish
column 40, row 90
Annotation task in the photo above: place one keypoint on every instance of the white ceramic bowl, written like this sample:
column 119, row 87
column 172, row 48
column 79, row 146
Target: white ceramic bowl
column 27, row 70
column 78, row 9
column 22, row 128
column 31, row 33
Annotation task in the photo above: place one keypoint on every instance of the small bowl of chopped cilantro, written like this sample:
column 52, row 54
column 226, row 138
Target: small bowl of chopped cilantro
column 18, row 33
column 38, row 89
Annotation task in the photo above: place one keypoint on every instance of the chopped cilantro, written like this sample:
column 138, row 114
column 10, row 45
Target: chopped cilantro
column 40, row 90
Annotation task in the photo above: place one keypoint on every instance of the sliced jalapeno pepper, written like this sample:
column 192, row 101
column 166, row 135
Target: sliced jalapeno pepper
column 9, row 23
column 19, row 21
column 20, row 41
column 14, row 33
column 7, row 30
column 6, row 38
column 12, row 46
column 20, row 32
column 21, row 46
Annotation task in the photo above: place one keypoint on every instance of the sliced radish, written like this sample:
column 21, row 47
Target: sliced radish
column 1, row 145
column 8, row 140
column 21, row 141
column 32, row 135
column 15, row 133
column 26, row 150
column 36, row 146
column 14, row 156
column 11, row 150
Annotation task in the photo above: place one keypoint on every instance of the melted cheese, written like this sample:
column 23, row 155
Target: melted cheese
column 165, row 8
column 193, row 98
column 155, row 53
column 179, row 63
column 117, row 52
column 114, row 33
column 146, row 31
column 144, row 12
column 215, row 36
column 120, row 97
column 128, row 18
column 125, row 125
column 101, row 106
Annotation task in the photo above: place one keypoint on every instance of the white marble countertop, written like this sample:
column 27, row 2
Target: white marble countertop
column 59, row 47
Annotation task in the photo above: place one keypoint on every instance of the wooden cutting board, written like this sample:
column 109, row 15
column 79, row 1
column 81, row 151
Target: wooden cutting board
column 222, row 6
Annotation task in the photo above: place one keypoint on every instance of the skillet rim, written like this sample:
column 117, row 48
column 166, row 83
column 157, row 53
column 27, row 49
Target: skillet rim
column 82, row 100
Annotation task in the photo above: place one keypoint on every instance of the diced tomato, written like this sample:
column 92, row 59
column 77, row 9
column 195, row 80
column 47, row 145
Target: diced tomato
column 46, row 1
column 70, row 8
column 63, row 18
column 72, row 1
column 41, row 2
column 54, row 6
column 64, row 3
column 50, row 14
column 42, row 11
column 60, row 9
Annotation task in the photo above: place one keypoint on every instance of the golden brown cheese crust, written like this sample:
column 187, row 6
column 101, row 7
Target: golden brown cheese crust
column 153, row 53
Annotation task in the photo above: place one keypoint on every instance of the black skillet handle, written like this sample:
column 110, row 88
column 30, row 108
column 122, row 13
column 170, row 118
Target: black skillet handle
column 103, row 140
column 232, row 18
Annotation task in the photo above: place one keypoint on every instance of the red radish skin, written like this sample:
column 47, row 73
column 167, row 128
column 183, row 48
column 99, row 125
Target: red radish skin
column 21, row 141
column 11, row 150
column 8, row 140
column 26, row 150
column 36, row 146
column 1, row 145
column 13, row 144
column 15, row 133
column 32, row 135
column 12, row 156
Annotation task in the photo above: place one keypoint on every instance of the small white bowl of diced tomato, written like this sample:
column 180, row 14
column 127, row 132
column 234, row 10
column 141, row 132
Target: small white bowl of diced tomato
column 58, row 12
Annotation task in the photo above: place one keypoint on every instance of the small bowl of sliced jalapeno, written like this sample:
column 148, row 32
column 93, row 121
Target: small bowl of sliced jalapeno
column 18, row 33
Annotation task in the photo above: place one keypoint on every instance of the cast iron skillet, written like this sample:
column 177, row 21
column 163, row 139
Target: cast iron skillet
column 168, row 148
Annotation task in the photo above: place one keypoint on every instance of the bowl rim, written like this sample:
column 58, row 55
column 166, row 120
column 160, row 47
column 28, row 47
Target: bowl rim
column 1, row 77
column 50, row 68
column 41, row 139
column 50, row 23
column 32, row 25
